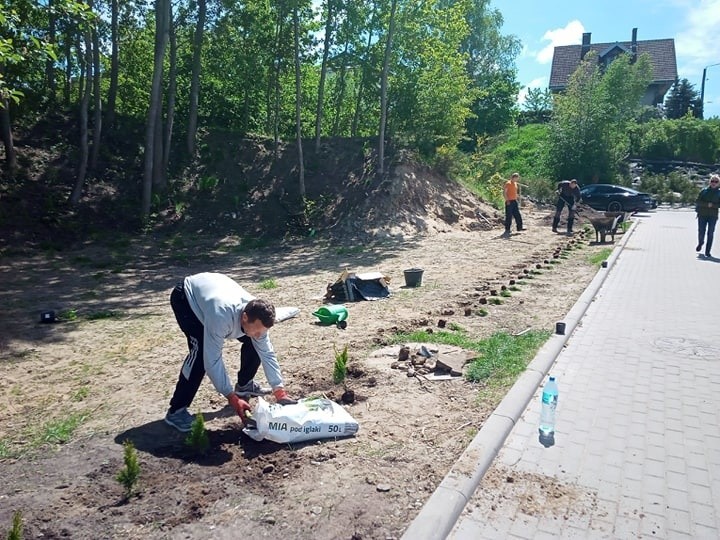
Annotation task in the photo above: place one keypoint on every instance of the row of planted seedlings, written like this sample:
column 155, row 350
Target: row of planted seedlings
column 496, row 293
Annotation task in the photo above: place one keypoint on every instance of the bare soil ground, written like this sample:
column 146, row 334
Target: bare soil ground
column 117, row 374
column 112, row 367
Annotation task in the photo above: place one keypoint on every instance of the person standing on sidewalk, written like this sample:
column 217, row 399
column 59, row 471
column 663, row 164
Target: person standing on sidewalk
column 511, row 193
column 210, row 308
column 706, row 207
column 568, row 194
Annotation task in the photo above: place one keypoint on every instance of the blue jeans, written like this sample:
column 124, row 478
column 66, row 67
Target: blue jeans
column 703, row 224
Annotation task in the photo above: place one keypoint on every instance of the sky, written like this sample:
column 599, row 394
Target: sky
column 541, row 26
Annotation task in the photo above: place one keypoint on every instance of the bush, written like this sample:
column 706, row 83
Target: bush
column 686, row 139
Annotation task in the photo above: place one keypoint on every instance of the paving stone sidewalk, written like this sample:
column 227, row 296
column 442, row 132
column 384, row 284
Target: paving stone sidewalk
column 637, row 446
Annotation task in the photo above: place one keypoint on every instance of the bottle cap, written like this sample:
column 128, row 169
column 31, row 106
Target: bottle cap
column 552, row 378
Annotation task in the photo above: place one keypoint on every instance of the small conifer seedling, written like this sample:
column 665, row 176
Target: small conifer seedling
column 340, row 368
column 198, row 438
column 128, row 476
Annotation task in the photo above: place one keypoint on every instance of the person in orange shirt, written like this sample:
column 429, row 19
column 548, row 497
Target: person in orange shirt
column 511, row 192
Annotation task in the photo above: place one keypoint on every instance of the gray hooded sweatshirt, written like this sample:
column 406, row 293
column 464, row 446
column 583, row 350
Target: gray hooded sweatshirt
column 218, row 302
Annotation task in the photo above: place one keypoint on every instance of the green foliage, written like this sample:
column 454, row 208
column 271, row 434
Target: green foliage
column 340, row 365
column 128, row 476
column 208, row 183
column 591, row 120
column 105, row 314
column 673, row 188
column 687, row 139
column 198, row 439
column 683, row 100
column 269, row 283
column 537, row 107
column 68, row 315
column 16, row 531
column 521, row 150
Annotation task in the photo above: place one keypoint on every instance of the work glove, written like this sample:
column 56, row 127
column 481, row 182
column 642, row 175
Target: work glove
column 240, row 405
column 282, row 397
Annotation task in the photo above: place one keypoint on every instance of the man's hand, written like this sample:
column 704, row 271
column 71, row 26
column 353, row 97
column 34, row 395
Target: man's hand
column 240, row 405
column 282, row 397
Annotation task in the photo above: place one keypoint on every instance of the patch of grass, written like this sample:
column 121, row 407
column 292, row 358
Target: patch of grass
column 269, row 283
column 5, row 451
column 16, row 531
column 514, row 288
column 60, row 431
column 99, row 315
column 81, row 394
column 521, row 282
column 597, row 258
column 501, row 357
column 482, row 312
column 494, row 300
column 505, row 293
column 352, row 250
column 68, row 315
column 504, row 356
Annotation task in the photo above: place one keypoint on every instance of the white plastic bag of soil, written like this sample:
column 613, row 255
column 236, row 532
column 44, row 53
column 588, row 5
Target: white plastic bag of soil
column 309, row 419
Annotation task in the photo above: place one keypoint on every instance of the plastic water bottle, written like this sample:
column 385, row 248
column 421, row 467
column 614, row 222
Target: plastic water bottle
column 549, row 404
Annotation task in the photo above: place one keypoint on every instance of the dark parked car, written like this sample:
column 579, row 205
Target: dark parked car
column 616, row 198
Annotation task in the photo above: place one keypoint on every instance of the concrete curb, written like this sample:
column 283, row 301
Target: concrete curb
column 441, row 511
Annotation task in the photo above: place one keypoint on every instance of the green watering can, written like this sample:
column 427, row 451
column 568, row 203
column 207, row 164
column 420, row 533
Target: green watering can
column 334, row 314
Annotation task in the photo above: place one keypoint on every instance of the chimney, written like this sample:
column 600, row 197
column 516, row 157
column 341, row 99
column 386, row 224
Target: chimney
column 585, row 45
column 633, row 44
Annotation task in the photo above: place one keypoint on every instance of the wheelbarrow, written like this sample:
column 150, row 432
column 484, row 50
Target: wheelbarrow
column 606, row 224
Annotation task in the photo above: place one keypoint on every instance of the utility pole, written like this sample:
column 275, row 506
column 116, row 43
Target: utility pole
column 702, row 87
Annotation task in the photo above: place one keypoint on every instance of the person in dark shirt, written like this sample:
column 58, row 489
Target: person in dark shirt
column 568, row 194
column 706, row 207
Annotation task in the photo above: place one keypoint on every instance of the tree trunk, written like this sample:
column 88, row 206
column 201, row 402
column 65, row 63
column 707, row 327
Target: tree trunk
column 7, row 136
column 154, row 107
column 323, row 72
column 276, row 80
column 84, row 104
column 67, row 86
column 97, row 113
column 298, row 102
column 83, row 69
column 361, row 85
column 383, row 88
column 114, row 66
column 49, row 62
column 172, row 90
column 340, row 96
column 195, row 80
column 158, row 178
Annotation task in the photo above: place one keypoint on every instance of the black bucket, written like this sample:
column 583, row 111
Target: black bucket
column 413, row 277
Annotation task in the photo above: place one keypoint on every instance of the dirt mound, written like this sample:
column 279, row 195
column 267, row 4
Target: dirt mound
column 258, row 192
